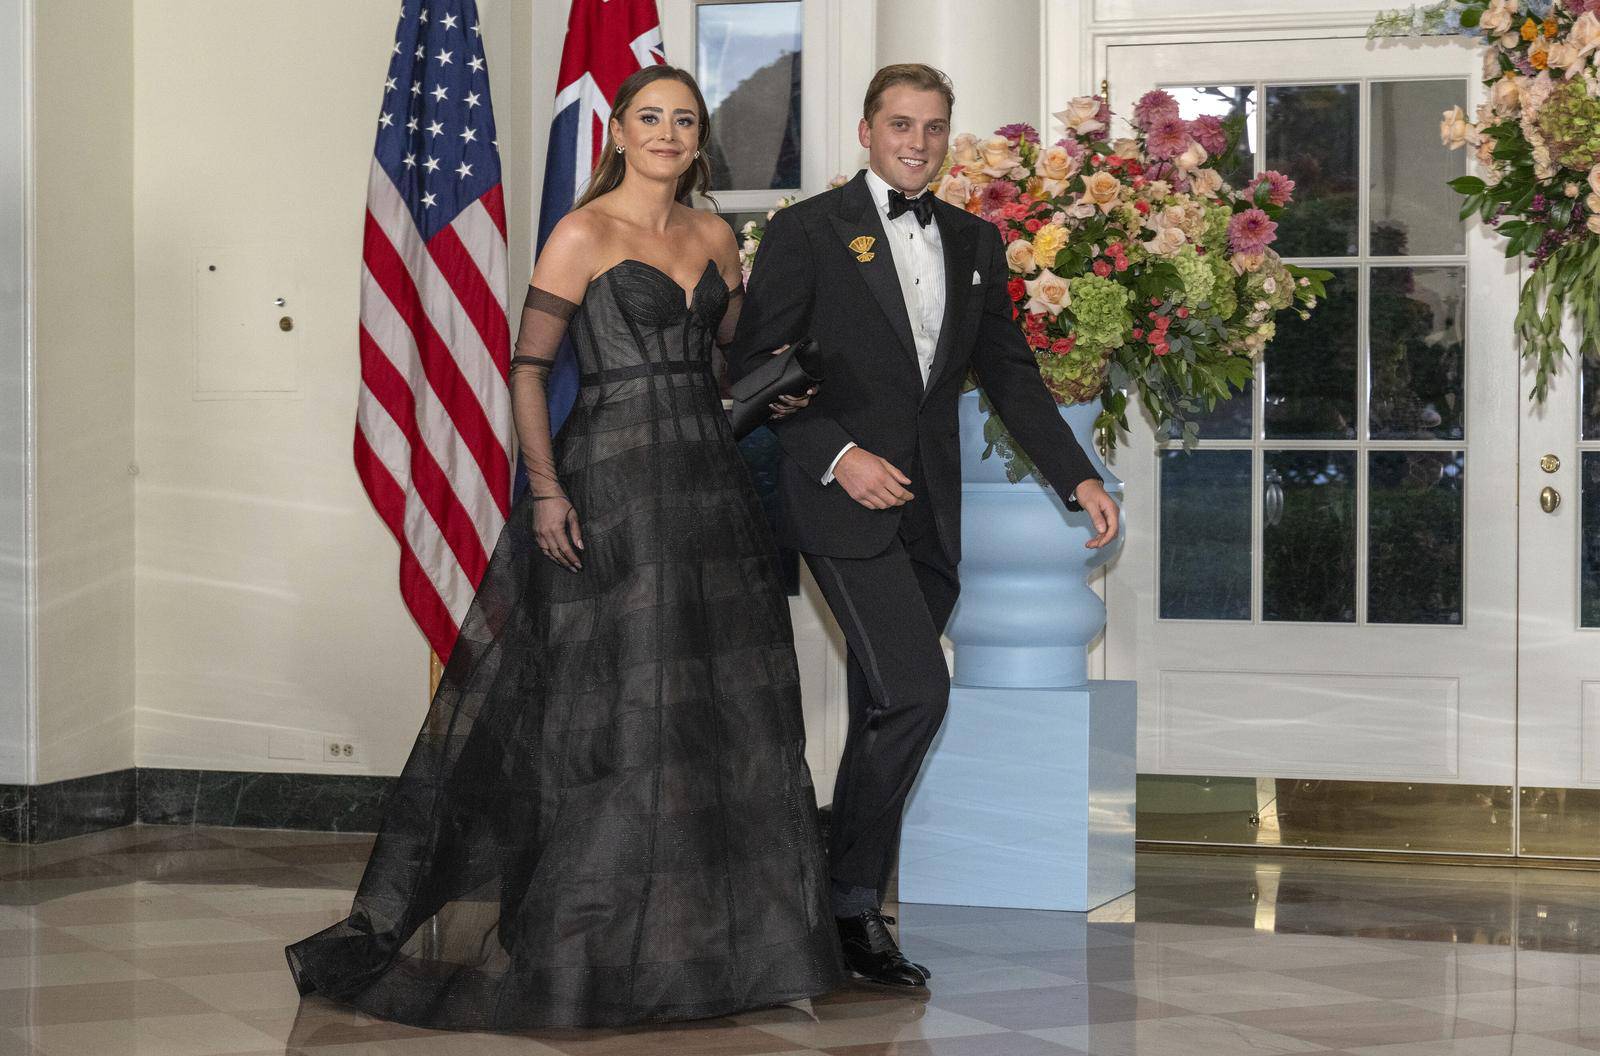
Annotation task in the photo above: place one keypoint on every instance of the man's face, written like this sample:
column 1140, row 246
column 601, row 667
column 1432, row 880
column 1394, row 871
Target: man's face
column 907, row 138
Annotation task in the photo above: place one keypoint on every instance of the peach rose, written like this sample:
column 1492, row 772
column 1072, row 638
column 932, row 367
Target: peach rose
column 1055, row 167
column 1166, row 241
column 1126, row 147
column 1505, row 94
column 957, row 190
column 1243, row 262
column 1585, row 34
column 1454, row 131
column 964, row 149
column 1497, row 19
column 1101, row 190
column 1047, row 293
column 1169, row 216
column 1486, row 147
column 1206, row 183
column 997, row 157
column 1594, row 179
column 1019, row 257
column 1592, row 222
column 1192, row 158
column 1563, row 55
column 1592, row 203
column 1082, row 115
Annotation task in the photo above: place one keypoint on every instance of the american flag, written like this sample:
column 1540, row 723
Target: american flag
column 433, row 427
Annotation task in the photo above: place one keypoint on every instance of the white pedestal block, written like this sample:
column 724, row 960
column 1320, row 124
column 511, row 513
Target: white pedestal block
column 1026, row 801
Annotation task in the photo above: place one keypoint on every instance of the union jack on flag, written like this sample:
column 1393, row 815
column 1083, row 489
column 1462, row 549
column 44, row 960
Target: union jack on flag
column 433, row 424
column 607, row 40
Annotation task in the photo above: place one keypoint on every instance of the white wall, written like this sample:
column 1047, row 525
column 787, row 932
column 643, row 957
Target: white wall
column 16, row 692
column 83, row 303
column 268, row 612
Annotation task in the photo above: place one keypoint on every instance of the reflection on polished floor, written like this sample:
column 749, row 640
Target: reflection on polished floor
column 168, row 942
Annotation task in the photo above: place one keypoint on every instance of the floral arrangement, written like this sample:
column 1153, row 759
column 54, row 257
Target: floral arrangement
column 1537, row 140
column 1134, row 266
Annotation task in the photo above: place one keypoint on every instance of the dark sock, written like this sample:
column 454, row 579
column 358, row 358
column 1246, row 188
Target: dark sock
column 850, row 901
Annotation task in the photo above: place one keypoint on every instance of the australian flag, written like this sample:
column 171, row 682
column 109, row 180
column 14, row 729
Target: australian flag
column 607, row 40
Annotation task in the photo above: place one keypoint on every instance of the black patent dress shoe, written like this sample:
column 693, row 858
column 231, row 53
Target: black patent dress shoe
column 871, row 952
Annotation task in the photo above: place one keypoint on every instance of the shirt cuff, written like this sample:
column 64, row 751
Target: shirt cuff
column 827, row 478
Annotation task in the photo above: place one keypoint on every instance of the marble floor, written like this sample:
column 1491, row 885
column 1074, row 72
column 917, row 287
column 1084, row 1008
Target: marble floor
column 168, row 942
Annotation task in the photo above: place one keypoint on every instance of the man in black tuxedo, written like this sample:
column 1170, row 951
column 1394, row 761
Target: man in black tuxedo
column 903, row 293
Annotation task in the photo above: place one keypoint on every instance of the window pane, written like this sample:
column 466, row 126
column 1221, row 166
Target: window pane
column 1225, row 101
column 1591, row 399
column 1414, row 541
column 1418, row 358
column 748, row 59
column 1413, row 210
column 1312, row 137
column 1309, row 557
column 1589, row 547
column 1230, row 419
column 1311, row 368
column 1205, row 535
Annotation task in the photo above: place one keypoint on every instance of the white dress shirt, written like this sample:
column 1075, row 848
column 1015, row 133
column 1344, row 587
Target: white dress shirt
column 918, row 254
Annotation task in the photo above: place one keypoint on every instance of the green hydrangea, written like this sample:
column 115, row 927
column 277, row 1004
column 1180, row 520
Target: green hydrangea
column 1570, row 124
column 1224, row 298
column 1077, row 377
column 1196, row 275
column 1100, row 309
column 1214, row 232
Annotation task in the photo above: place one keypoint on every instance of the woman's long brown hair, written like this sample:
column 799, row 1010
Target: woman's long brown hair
column 608, row 174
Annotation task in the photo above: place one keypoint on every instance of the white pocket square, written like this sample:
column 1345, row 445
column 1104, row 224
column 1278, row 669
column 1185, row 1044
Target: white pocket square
column 976, row 278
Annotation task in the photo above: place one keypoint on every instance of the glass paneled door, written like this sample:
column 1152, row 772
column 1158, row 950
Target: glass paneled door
column 1319, row 603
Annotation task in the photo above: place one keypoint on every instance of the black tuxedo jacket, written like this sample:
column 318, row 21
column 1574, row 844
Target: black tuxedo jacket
column 808, row 281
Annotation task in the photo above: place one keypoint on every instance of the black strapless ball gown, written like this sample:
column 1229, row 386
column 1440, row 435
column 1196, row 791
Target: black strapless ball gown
column 607, row 818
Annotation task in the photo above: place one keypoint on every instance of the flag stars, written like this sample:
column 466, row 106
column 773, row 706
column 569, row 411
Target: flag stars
column 409, row 161
column 421, row 51
column 432, row 164
column 440, row 93
column 411, row 126
column 463, row 170
column 424, row 14
column 476, row 31
column 469, row 135
column 386, row 120
column 416, row 87
column 443, row 57
column 435, row 129
column 472, row 100
column 389, row 85
column 429, row 199
column 448, row 22
column 476, row 64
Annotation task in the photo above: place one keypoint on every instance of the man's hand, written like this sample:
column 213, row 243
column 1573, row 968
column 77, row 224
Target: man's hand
column 872, row 481
column 1102, row 510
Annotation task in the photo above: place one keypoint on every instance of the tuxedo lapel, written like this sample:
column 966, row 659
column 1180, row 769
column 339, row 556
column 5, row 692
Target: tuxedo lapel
column 856, row 217
column 960, row 250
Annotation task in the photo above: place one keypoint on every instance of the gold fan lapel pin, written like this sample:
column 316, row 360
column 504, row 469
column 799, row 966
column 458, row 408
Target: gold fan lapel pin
column 861, row 246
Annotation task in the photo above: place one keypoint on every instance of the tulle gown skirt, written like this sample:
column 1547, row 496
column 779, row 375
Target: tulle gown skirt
column 607, row 818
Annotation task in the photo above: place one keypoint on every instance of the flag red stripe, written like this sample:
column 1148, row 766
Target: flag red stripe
column 472, row 290
column 443, row 374
column 429, row 481
column 494, row 203
column 421, row 599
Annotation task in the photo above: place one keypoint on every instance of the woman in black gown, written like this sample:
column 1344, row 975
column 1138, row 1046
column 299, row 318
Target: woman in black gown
column 607, row 818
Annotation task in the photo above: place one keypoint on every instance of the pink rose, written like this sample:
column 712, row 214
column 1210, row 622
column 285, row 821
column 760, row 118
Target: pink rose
column 1082, row 115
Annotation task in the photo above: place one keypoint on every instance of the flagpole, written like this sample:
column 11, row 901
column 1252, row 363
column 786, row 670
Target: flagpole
column 435, row 673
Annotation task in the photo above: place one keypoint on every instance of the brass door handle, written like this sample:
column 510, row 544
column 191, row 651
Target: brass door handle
column 1549, row 500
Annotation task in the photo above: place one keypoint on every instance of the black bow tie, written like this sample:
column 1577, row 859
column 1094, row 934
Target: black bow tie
column 921, row 206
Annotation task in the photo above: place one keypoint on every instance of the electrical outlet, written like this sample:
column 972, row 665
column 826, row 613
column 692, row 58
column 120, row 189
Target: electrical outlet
column 340, row 750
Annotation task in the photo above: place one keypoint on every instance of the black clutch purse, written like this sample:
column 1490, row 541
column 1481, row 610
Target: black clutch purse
column 789, row 373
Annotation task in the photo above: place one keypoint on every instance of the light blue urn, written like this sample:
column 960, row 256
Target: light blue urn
column 1026, row 614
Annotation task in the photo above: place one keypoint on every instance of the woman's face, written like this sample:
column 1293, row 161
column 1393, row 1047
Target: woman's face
column 660, row 132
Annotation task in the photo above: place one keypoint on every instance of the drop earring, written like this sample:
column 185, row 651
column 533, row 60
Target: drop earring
column 619, row 148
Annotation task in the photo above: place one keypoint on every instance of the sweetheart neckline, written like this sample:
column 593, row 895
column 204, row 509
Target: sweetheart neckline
column 690, row 295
